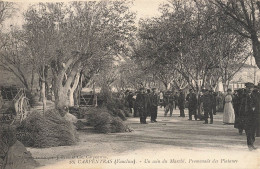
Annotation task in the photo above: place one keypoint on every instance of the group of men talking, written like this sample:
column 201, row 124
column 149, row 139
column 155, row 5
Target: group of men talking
column 147, row 104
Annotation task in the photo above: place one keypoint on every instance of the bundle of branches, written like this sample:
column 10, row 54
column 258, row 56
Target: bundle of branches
column 118, row 108
column 13, row 154
column 8, row 138
column 47, row 130
column 104, row 122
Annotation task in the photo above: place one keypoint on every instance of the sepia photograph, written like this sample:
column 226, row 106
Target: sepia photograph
column 129, row 84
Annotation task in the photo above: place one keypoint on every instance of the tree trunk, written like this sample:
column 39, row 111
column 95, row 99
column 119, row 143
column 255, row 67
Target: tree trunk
column 72, row 89
column 32, row 80
column 60, row 93
column 61, row 90
column 43, row 96
column 61, row 98
column 71, row 98
column 256, row 49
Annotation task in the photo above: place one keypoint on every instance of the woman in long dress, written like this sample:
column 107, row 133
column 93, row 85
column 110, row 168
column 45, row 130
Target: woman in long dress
column 229, row 114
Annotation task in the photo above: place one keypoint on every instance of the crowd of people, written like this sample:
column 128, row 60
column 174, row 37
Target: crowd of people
column 241, row 108
column 145, row 103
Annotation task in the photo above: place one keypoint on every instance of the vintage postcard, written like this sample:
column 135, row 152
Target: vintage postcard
column 112, row 84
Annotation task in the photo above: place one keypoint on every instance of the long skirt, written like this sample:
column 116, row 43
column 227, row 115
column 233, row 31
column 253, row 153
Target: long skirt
column 229, row 115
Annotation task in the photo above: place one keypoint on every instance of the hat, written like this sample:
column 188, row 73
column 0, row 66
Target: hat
column 204, row 90
column 249, row 85
column 153, row 88
column 141, row 88
column 240, row 90
column 257, row 87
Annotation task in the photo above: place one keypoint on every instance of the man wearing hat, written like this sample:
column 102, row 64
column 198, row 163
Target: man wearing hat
column 181, row 103
column 141, row 105
column 207, row 106
column 154, row 105
column 192, row 102
column 214, row 101
column 238, row 96
column 247, row 111
column 130, row 101
column 256, row 93
column 148, row 102
column 169, row 102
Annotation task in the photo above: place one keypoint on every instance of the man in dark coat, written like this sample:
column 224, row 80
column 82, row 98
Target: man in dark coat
column 141, row 105
column 135, row 105
column 192, row 104
column 214, row 102
column 176, row 99
column 181, row 103
column 256, row 94
column 200, row 114
column 207, row 106
column 247, row 111
column 148, row 102
column 130, row 100
column 170, row 103
column 154, row 105
column 237, row 103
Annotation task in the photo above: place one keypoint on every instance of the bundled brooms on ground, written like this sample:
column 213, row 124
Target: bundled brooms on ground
column 103, row 121
column 48, row 129
column 13, row 154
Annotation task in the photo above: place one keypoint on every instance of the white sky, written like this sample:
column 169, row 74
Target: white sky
column 144, row 9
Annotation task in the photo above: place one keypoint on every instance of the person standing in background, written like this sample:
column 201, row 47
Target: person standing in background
column 238, row 118
column 169, row 102
column 207, row 101
column 134, row 103
column 166, row 102
column 200, row 114
column 192, row 104
column 181, row 103
column 130, row 100
column 154, row 105
column 161, row 99
column 148, row 102
column 247, row 110
column 176, row 99
column 214, row 102
column 229, row 115
column 141, row 105
column 256, row 94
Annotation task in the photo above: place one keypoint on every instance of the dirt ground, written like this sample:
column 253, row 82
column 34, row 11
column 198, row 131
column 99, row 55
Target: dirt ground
column 172, row 142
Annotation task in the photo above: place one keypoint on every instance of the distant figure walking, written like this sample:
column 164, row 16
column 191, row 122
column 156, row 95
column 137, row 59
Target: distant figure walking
column 229, row 114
